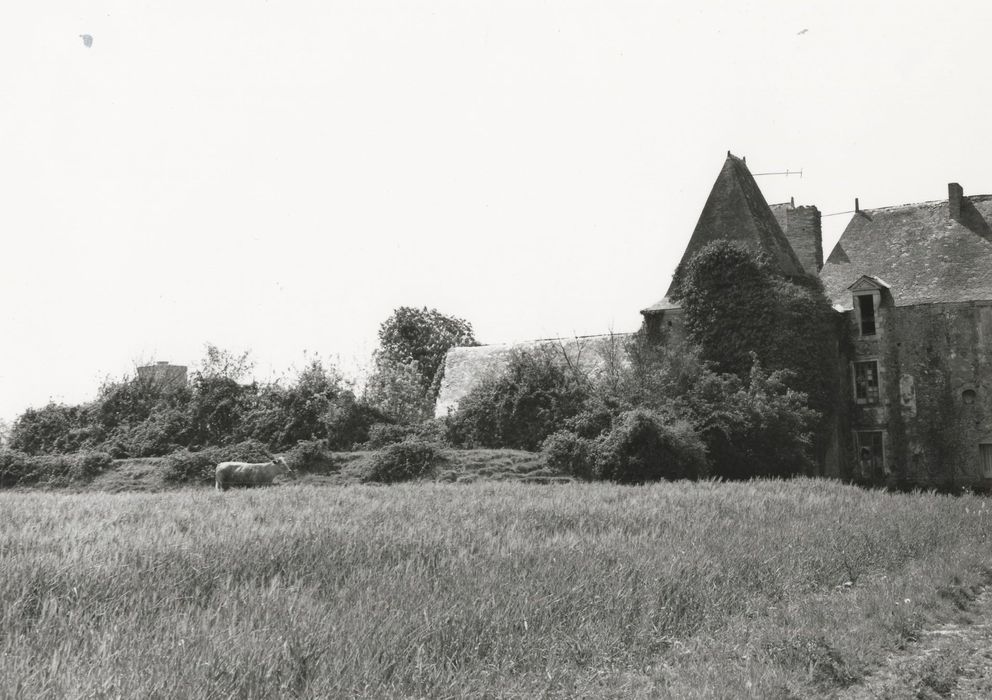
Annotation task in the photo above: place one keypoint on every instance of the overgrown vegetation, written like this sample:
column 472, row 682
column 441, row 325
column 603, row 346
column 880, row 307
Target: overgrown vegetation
column 402, row 461
column 408, row 366
column 764, row 589
column 138, row 417
column 737, row 305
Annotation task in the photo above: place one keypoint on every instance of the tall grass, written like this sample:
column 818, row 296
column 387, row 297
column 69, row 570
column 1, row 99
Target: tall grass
column 496, row 589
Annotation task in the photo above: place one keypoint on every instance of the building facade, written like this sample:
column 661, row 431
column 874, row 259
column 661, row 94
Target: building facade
column 913, row 287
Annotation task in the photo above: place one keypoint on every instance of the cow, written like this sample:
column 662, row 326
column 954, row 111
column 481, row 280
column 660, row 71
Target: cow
column 229, row 474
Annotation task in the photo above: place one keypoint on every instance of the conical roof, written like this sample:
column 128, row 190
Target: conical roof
column 737, row 211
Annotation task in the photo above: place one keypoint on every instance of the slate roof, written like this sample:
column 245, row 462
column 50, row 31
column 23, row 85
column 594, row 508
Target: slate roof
column 923, row 254
column 737, row 211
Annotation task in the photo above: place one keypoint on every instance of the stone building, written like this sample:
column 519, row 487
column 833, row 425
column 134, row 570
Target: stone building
column 163, row 374
column 913, row 287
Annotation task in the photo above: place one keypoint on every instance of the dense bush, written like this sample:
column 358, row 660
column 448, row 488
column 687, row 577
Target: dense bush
column 569, row 453
column 384, row 434
column 20, row 469
column 736, row 305
column 520, row 407
column 642, row 448
column 401, row 462
column 310, row 456
column 54, row 429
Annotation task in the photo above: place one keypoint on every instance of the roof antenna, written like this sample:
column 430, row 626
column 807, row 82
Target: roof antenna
column 785, row 172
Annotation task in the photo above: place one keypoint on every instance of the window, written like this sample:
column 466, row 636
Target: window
column 986, row 451
column 866, row 382
column 866, row 311
column 871, row 453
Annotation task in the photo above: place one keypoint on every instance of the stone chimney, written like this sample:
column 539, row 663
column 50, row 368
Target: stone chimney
column 954, row 196
column 801, row 226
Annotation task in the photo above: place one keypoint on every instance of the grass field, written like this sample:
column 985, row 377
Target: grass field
column 482, row 589
column 461, row 466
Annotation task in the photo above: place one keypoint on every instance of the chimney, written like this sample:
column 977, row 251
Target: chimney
column 954, row 196
column 802, row 228
column 857, row 207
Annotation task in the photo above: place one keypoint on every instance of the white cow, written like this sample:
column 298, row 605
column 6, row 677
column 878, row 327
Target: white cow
column 230, row 474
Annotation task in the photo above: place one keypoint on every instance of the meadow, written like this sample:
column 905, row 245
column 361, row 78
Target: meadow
column 711, row 590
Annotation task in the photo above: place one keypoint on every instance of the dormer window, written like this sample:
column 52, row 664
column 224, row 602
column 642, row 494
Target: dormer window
column 866, row 313
column 868, row 293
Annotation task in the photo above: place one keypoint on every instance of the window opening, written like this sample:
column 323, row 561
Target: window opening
column 866, row 382
column 866, row 308
column 986, row 451
column 871, row 453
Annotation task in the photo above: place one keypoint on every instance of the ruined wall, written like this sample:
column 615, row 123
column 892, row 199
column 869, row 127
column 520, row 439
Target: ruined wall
column 661, row 325
column 935, row 383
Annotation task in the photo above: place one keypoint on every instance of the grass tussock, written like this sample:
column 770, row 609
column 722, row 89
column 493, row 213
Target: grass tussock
column 498, row 589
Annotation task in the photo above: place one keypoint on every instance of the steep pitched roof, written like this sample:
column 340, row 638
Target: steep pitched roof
column 737, row 211
column 923, row 254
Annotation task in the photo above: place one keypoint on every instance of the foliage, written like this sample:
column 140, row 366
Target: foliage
column 137, row 417
column 54, row 429
column 757, row 427
column 383, row 434
column 642, row 448
column 310, row 456
column 348, row 420
column 403, row 461
column 185, row 466
column 21, row 469
column 422, row 336
column 521, row 406
column 736, row 303
column 569, row 453
column 395, row 388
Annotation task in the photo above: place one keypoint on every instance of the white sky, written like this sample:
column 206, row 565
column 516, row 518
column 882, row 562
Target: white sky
column 278, row 176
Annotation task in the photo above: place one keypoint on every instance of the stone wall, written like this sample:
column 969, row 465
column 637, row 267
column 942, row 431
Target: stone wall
column 802, row 227
column 935, row 383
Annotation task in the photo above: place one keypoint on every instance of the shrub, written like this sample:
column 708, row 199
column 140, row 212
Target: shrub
column 531, row 399
column 384, row 434
column 348, row 421
column 86, row 465
column 15, row 468
column 571, row 454
column 401, row 462
column 642, row 448
column 20, row 469
column 310, row 456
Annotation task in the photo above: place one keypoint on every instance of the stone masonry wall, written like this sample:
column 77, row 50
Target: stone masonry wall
column 929, row 357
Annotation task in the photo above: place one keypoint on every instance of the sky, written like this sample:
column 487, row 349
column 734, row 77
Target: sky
column 277, row 177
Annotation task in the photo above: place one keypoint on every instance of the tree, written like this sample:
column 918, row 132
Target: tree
column 423, row 336
column 409, row 364
column 520, row 407
column 219, row 399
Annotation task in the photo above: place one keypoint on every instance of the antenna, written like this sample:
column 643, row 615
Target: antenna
column 785, row 172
